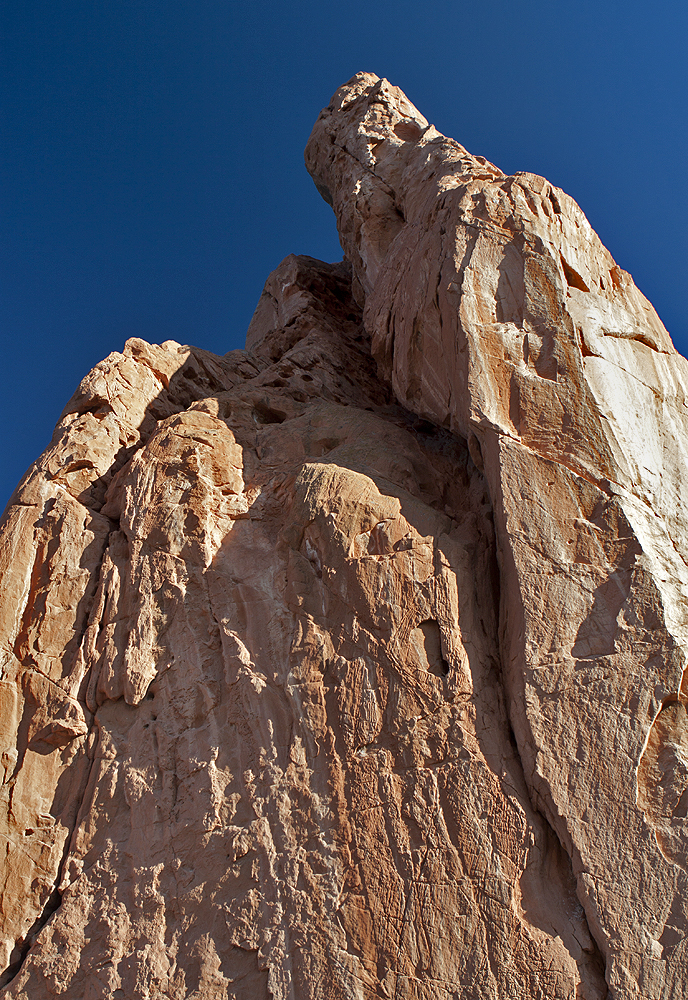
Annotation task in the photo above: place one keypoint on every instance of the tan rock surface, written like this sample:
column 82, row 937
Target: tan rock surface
column 498, row 313
column 268, row 631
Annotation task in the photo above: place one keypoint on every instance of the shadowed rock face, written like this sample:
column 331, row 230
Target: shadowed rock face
column 350, row 665
column 497, row 313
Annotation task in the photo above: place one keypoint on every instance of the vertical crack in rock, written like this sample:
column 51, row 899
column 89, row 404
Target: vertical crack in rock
column 376, row 621
column 58, row 541
column 22, row 947
column 663, row 781
column 537, row 348
column 591, row 958
column 54, row 719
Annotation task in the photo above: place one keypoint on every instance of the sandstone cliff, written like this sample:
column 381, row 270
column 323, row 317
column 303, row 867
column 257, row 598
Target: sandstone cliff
column 350, row 665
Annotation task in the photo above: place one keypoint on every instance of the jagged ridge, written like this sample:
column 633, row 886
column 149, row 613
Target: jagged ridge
column 350, row 665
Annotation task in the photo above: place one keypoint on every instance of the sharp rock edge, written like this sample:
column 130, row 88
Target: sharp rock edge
column 350, row 665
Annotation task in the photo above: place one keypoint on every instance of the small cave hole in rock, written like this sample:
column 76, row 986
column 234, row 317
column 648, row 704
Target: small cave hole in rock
column 266, row 415
column 324, row 446
column 408, row 131
column 193, row 374
column 427, row 639
column 76, row 466
column 573, row 278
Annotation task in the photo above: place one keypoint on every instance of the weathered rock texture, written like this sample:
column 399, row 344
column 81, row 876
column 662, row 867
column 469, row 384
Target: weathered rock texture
column 350, row 665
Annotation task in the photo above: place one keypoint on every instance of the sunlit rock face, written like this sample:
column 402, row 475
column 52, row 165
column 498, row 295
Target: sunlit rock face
column 497, row 313
column 349, row 665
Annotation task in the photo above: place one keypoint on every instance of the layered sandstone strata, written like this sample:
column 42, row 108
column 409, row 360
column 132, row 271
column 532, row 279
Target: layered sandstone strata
column 350, row 665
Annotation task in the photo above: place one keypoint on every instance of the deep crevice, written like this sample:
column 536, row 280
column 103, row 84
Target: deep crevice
column 52, row 904
column 555, row 201
column 39, row 923
column 595, row 957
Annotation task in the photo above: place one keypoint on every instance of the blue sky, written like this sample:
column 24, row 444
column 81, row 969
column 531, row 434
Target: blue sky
column 152, row 162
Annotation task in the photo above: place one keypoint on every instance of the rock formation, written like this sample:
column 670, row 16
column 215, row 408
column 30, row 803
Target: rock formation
column 350, row 665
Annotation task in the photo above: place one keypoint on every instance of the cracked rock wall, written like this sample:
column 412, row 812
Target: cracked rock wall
column 349, row 665
column 497, row 313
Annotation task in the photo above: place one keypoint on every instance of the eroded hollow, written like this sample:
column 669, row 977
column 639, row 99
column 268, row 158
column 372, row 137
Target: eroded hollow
column 427, row 640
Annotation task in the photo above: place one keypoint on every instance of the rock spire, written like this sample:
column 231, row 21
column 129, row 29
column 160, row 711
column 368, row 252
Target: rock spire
column 351, row 665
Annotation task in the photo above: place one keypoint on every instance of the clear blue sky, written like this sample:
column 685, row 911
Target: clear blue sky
column 152, row 169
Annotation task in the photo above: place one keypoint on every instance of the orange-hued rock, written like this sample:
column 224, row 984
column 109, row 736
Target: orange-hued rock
column 497, row 313
column 349, row 665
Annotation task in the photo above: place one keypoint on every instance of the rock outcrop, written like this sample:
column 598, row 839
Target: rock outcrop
column 351, row 665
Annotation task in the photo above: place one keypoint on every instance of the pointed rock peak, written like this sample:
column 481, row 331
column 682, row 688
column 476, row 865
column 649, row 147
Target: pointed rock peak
column 353, row 663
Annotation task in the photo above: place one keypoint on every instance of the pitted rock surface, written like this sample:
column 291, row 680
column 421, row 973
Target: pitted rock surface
column 350, row 665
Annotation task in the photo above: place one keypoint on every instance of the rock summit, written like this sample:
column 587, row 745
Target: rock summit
column 351, row 665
